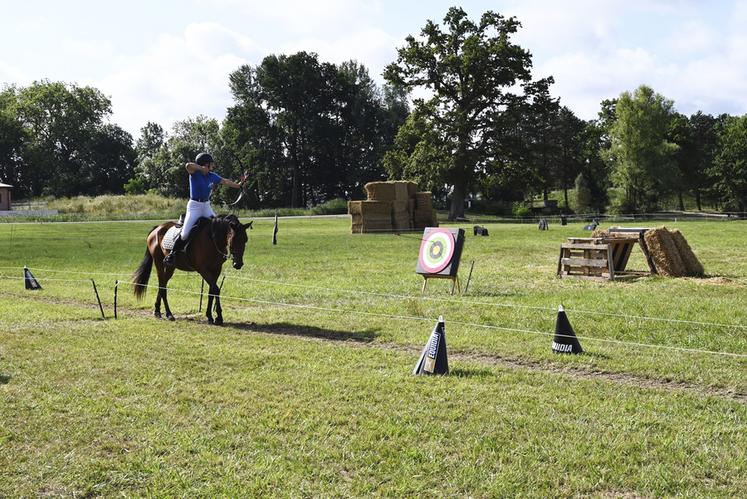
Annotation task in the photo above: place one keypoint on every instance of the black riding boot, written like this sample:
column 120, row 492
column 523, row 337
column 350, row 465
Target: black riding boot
column 170, row 259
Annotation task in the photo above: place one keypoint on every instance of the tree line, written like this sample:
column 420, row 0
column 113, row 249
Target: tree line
column 308, row 131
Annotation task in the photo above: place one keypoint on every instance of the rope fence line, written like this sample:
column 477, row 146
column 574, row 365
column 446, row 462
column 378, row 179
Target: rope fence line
column 505, row 305
column 419, row 297
column 16, row 278
column 418, row 318
column 461, row 323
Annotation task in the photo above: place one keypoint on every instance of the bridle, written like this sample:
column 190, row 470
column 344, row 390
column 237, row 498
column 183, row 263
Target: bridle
column 215, row 244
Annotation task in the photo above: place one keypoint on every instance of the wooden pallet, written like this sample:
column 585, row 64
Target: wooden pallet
column 600, row 258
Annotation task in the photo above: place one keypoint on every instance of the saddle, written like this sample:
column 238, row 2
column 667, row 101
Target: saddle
column 173, row 232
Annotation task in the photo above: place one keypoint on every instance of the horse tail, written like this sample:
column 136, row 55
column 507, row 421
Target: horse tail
column 142, row 274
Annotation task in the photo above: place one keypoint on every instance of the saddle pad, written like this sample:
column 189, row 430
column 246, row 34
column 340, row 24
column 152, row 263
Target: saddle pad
column 170, row 237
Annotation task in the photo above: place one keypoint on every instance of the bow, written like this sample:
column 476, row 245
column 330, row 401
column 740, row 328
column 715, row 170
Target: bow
column 244, row 176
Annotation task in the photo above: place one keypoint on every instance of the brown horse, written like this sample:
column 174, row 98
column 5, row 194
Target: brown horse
column 211, row 243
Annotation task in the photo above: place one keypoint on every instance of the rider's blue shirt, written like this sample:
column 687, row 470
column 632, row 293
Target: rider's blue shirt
column 200, row 184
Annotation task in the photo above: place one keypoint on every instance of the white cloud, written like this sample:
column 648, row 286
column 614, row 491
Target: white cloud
column 10, row 74
column 374, row 48
column 303, row 16
column 178, row 77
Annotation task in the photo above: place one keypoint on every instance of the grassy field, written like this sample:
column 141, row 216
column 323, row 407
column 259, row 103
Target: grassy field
column 307, row 390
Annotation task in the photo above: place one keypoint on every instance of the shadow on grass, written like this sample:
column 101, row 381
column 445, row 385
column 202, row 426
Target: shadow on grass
column 4, row 379
column 303, row 331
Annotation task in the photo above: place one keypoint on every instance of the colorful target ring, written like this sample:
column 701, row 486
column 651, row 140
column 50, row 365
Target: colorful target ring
column 436, row 250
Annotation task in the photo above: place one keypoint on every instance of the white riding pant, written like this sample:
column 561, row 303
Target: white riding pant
column 195, row 210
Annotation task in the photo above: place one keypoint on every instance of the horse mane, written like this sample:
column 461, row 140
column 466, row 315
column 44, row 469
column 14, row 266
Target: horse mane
column 220, row 225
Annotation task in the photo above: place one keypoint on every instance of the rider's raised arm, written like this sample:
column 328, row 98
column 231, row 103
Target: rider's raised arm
column 230, row 183
column 194, row 167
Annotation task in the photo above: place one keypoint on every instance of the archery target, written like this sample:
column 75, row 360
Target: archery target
column 436, row 250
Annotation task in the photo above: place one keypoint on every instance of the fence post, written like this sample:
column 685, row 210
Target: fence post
column 116, row 287
column 98, row 299
column 202, row 287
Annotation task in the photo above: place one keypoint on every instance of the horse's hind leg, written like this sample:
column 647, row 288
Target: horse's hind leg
column 164, row 274
column 167, row 275
column 157, row 307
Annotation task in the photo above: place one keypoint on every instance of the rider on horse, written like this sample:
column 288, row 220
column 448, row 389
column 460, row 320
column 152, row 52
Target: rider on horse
column 201, row 179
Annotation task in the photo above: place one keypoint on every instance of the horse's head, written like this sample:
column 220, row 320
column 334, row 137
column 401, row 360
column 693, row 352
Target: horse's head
column 237, row 239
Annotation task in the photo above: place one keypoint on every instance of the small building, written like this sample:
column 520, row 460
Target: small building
column 5, row 196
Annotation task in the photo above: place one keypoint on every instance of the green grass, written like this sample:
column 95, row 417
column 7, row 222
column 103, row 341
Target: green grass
column 318, row 399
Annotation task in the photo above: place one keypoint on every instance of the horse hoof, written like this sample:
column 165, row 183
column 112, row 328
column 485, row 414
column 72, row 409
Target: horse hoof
column 171, row 318
column 210, row 320
column 218, row 322
column 157, row 316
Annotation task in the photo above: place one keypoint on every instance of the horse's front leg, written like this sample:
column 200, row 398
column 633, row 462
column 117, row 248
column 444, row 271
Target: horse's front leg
column 218, row 309
column 212, row 293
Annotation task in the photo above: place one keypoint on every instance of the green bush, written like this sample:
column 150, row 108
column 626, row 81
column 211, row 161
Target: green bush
column 332, row 207
column 521, row 210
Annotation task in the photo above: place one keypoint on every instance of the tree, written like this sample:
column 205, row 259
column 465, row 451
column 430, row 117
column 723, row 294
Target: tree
column 594, row 168
column 642, row 155
column 570, row 135
column 12, row 139
column 682, row 134
column 310, row 131
column 730, row 164
column 469, row 68
column 705, row 131
column 61, row 142
column 109, row 161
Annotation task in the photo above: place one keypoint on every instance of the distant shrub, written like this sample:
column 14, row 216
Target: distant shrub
column 332, row 207
column 521, row 210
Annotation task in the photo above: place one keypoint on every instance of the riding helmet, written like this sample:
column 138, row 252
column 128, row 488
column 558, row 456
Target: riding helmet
column 203, row 159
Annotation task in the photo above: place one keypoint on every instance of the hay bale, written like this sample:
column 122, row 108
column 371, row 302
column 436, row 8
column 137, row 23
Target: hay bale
column 400, row 190
column 370, row 227
column 381, row 191
column 411, row 206
column 376, row 208
column 402, row 224
column 400, row 208
column 693, row 267
column 664, row 252
column 423, row 200
column 354, row 207
column 600, row 233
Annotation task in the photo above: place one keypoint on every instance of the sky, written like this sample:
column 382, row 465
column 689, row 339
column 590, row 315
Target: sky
column 164, row 60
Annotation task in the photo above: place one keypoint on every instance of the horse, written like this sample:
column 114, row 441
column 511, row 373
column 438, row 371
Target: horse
column 211, row 243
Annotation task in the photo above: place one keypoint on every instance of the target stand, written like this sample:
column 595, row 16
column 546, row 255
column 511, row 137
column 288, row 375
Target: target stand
column 440, row 252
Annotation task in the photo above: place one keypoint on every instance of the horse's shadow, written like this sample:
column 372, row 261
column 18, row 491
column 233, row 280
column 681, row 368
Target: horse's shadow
column 303, row 331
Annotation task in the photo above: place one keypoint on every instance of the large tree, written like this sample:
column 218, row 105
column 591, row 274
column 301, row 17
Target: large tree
column 643, row 158
column 469, row 69
column 65, row 146
column 310, row 131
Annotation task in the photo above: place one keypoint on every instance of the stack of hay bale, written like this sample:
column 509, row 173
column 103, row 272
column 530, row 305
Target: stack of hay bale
column 392, row 207
column 672, row 254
